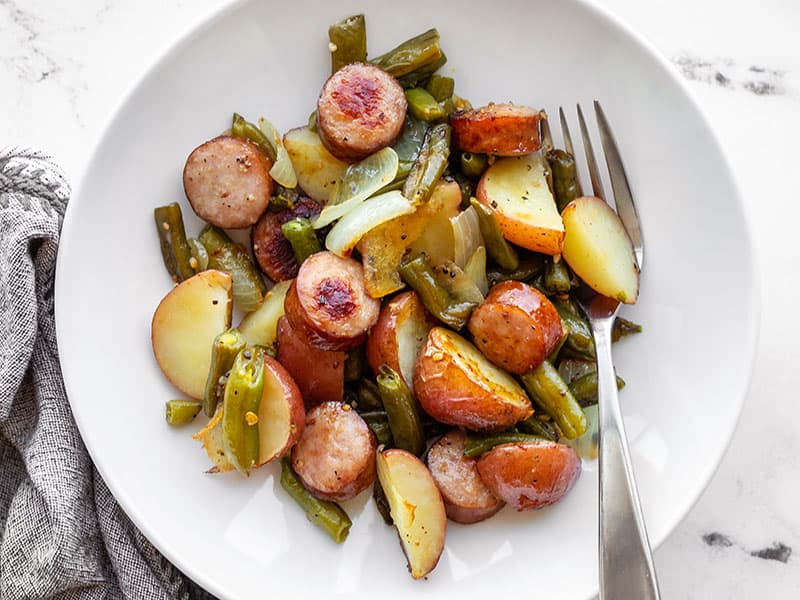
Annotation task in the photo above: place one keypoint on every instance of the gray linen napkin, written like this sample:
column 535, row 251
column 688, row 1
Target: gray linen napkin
column 62, row 534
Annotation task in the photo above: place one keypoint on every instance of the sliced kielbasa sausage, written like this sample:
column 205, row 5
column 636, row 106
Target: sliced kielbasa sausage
column 501, row 129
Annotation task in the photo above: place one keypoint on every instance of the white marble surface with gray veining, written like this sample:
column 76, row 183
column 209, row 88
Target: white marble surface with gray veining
column 64, row 66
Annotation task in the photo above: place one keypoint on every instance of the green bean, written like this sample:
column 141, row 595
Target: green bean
column 423, row 106
column 382, row 503
column 429, row 165
column 580, row 339
column 379, row 423
column 480, row 444
column 224, row 350
column 369, row 398
column 245, row 129
column 497, row 247
column 408, row 144
column 419, row 275
column 565, row 177
column 472, row 164
column 529, row 266
column 571, row 369
column 355, row 364
column 401, row 411
column 623, row 328
column 312, row 121
column 414, row 60
column 181, row 412
column 301, row 236
column 423, row 74
column 536, row 426
column 557, row 278
column 440, row 87
column 175, row 250
column 240, row 409
column 563, row 340
column 552, row 395
column 223, row 254
column 326, row 515
column 348, row 42
column 466, row 186
column 199, row 260
column 283, row 198
column 584, row 388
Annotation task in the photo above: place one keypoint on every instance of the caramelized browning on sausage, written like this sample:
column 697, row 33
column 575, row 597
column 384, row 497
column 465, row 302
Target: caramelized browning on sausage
column 360, row 110
column 227, row 182
column 335, row 457
column 501, row 129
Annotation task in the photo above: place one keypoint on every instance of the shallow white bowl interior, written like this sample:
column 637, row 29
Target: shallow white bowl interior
column 244, row 538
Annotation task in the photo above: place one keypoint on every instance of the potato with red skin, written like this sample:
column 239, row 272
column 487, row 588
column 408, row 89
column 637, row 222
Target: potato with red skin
column 360, row 110
column 457, row 385
column 499, row 129
column 335, row 457
column 466, row 498
column 516, row 327
column 399, row 334
column 318, row 373
column 530, row 475
column 281, row 413
column 328, row 303
column 227, row 182
column 271, row 249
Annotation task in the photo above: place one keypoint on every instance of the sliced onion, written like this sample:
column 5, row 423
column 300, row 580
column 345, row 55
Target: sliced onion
column 476, row 269
column 282, row 169
column 466, row 235
column 344, row 236
column 360, row 181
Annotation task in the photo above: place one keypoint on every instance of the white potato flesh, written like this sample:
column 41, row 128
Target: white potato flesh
column 184, row 326
column 599, row 250
column 416, row 507
column 275, row 419
column 260, row 327
column 317, row 169
column 437, row 240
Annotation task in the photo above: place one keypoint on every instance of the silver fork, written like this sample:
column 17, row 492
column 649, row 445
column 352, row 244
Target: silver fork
column 625, row 558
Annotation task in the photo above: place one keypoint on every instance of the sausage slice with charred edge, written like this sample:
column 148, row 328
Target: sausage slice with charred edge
column 328, row 302
column 335, row 457
column 360, row 110
column 466, row 497
column 227, row 182
column 500, row 129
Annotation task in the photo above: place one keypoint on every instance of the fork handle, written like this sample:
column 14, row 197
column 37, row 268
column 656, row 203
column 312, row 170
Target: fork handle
column 626, row 562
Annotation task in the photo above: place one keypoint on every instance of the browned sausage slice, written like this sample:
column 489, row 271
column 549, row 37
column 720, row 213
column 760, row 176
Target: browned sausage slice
column 466, row 497
column 319, row 373
column 328, row 302
column 227, row 182
column 335, row 457
column 271, row 249
column 516, row 327
column 501, row 129
column 360, row 110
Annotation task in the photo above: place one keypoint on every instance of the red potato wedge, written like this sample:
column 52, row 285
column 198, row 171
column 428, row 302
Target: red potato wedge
column 516, row 190
column 184, row 326
column 457, row 385
column 318, row 373
column 500, row 129
column 597, row 247
column 416, row 507
column 328, row 303
column 317, row 169
column 399, row 334
column 281, row 413
column 530, row 475
column 466, row 497
column 516, row 327
column 335, row 457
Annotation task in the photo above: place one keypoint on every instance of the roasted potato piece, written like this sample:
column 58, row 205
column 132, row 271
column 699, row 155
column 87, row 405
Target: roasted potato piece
column 516, row 327
column 466, row 497
column 597, row 247
column 530, row 475
column 457, row 385
column 516, row 190
column 317, row 169
column 501, row 129
column 281, row 413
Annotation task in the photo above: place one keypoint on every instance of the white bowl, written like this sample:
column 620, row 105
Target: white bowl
column 244, row 538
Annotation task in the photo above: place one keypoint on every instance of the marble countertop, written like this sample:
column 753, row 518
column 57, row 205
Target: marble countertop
column 64, row 66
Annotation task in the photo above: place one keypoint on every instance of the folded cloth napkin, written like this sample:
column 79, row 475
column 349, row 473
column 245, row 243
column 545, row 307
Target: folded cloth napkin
column 62, row 533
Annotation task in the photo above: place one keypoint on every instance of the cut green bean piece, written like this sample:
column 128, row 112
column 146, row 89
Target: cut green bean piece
column 580, row 339
column 382, row 431
column 369, row 398
column 549, row 391
column 557, row 278
column 623, row 328
column 472, row 164
column 175, row 250
column 420, row 52
column 326, row 515
column 429, row 165
column 223, row 254
column 401, row 411
column 181, row 412
column 245, row 129
column 536, row 426
column 565, row 177
column 419, row 275
column 571, row 369
column 348, row 42
column 199, row 260
column 423, row 106
column 441, row 87
column 283, row 198
column 224, row 350
column 423, row 74
column 240, row 405
column 497, row 247
column 355, row 364
column 408, row 144
column 476, row 445
column 301, row 236
column 584, row 388
column 529, row 266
